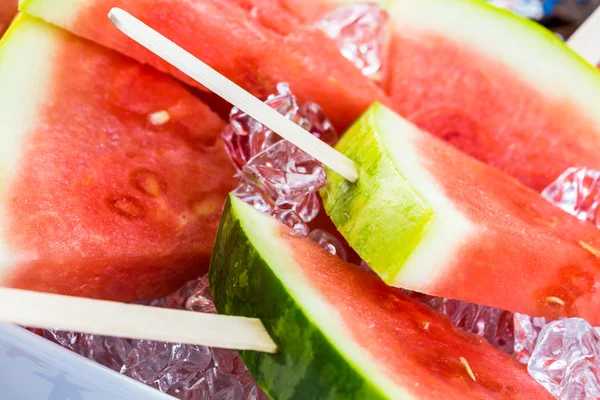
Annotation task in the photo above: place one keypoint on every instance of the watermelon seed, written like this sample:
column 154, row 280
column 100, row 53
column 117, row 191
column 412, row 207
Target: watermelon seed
column 128, row 207
column 205, row 207
column 159, row 117
column 555, row 300
column 146, row 181
column 590, row 248
column 465, row 364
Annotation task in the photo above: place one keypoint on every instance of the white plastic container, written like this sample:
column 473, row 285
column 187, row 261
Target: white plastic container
column 33, row 368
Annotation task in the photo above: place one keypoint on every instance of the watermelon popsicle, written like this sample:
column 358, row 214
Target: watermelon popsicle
column 427, row 218
column 101, row 195
column 324, row 313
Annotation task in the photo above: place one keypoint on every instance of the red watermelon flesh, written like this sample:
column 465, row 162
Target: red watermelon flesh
column 98, row 200
column 498, row 87
column 437, row 348
column 8, row 9
column 244, row 46
column 494, row 113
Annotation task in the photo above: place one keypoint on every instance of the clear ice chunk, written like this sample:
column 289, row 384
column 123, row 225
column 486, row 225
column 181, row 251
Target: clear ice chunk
column 245, row 137
column 566, row 360
column 493, row 324
column 275, row 176
column 526, row 332
column 577, row 191
column 360, row 32
column 285, row 172
column 329, row 242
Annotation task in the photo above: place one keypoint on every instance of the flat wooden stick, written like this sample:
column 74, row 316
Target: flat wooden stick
column 52, row 311
column 205, row 75
column 586, row 40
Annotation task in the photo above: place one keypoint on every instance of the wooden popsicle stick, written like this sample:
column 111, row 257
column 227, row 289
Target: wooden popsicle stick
column 586, row 40
column 217, row 83
column 52, row 311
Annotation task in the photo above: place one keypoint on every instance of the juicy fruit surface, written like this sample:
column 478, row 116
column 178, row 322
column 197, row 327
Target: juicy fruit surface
column 529, row 246
column 326, row 314
column 518, row 252
column 104, row 203
column 234, row 41
column 490, row 112
column 8, row 9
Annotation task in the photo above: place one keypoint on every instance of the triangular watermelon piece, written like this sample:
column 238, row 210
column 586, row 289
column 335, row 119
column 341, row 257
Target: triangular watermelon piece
column 113, row 174
column 429, row 218
column 342, row 333
column 497, row 86
column 248, row 49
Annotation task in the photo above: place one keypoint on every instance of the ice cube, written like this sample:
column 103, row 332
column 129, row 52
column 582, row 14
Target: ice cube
column 526, row 332
column 250, row 193
column 493, row 324
column 577, row 191
column 329, row 242
column 222, row 386
column 286, row 172
column 199, row 299
column 275, row 176
column 293, row 220
column 245, row 137
column 108, row 351
column 360, row 32
column 566, row 360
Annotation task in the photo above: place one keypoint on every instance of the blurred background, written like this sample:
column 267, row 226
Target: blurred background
column 565, row 16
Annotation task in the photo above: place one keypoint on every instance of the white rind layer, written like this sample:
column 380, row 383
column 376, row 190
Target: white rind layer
column 26, row 67
column 266, row 231
column 62, row 13
column 448, row 231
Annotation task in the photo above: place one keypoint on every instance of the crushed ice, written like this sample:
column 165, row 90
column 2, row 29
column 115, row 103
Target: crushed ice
column 275, row 176
column 360, row 33
column 577, row 191
column 181, row 370
column 566, row 360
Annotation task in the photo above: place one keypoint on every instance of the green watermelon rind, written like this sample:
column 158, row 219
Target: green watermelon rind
column 395, row 216
column 248, row 275
column 361, row 211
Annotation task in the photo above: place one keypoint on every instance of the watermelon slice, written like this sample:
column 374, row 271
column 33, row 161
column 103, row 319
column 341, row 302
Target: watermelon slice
column 341, row 331
column 499, row 87
column 427, row 217
column 235, row 42
column 113, row 174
